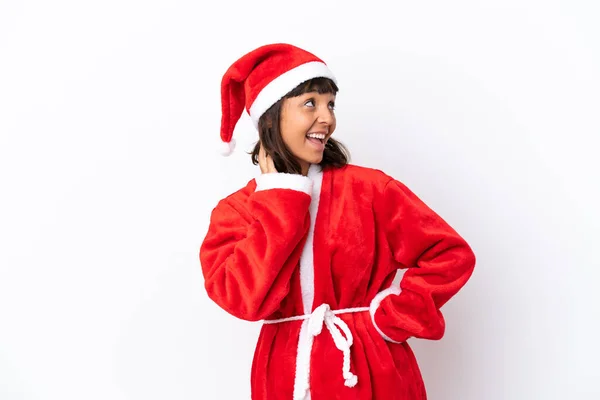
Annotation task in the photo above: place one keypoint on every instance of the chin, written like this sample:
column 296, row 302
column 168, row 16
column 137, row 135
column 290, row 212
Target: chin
column 314, row 159
column 310, row 157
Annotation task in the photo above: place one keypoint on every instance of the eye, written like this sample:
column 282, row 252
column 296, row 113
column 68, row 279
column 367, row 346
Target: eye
column 311, row 101
column 332, row 105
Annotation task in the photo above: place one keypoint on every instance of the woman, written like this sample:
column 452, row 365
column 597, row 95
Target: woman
column 315, row 242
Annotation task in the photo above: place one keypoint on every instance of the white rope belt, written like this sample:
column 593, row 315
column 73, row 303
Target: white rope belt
column 321, row 315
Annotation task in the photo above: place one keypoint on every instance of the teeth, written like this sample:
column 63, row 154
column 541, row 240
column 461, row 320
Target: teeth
column 316, row 135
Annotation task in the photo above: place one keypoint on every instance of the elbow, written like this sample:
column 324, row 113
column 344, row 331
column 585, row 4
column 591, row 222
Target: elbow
column 464, row 258
column 438, row 332
column 469, row 259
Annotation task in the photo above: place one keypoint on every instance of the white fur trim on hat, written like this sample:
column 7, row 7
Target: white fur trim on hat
column 284, row 83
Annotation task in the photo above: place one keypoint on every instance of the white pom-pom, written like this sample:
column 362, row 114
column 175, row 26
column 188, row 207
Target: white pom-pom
column 227, row 147
column 351, row 381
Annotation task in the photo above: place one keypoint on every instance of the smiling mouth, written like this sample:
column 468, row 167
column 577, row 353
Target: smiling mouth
column 316, row 139
column 317, row 144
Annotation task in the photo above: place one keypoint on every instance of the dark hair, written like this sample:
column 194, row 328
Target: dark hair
column 269, row 133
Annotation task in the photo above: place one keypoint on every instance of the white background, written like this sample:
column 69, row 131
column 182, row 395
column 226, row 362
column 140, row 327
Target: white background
column 109, row 169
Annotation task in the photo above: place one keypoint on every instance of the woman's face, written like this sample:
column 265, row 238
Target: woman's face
column 301, row 116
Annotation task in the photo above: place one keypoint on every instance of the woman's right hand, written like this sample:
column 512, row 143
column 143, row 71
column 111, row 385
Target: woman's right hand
column 265, row 161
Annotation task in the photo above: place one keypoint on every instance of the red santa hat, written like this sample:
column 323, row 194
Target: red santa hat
column 260, row 79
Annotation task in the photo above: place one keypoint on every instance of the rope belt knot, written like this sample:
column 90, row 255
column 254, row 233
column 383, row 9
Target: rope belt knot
column 322, row 315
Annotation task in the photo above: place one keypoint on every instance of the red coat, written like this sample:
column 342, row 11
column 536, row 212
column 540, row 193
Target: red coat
column 269, row 255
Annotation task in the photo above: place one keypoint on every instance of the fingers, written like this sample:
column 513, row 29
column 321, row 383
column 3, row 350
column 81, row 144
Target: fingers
column 261, row 159
column 265, row 161
column 270, row 164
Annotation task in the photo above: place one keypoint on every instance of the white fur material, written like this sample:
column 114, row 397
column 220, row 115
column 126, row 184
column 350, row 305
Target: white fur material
column 227, row 147
column 376, row 302
column 307, row 282
column 302, row 376
column 281, row 180
column 307, row 266
column 284, row 83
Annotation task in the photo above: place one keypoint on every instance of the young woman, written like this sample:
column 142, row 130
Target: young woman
column 312, row 246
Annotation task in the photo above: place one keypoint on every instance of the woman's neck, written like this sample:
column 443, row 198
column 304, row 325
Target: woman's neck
column 304, row 166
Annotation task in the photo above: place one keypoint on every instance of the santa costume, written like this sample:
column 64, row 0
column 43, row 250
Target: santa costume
column 314, row 257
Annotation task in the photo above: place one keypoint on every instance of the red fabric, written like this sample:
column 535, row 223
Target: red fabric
column 368, row 225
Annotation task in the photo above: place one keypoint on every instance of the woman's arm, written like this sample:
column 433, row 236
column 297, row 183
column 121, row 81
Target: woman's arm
column 439, row 262
column 249, row 253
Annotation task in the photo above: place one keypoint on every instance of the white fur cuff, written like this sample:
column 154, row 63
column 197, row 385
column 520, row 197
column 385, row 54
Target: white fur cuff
column 375, row 305
column 280, row 180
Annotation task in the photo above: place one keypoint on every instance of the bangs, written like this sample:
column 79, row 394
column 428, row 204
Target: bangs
column 319, row 85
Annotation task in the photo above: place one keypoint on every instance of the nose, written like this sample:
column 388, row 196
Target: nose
column 325, row 116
